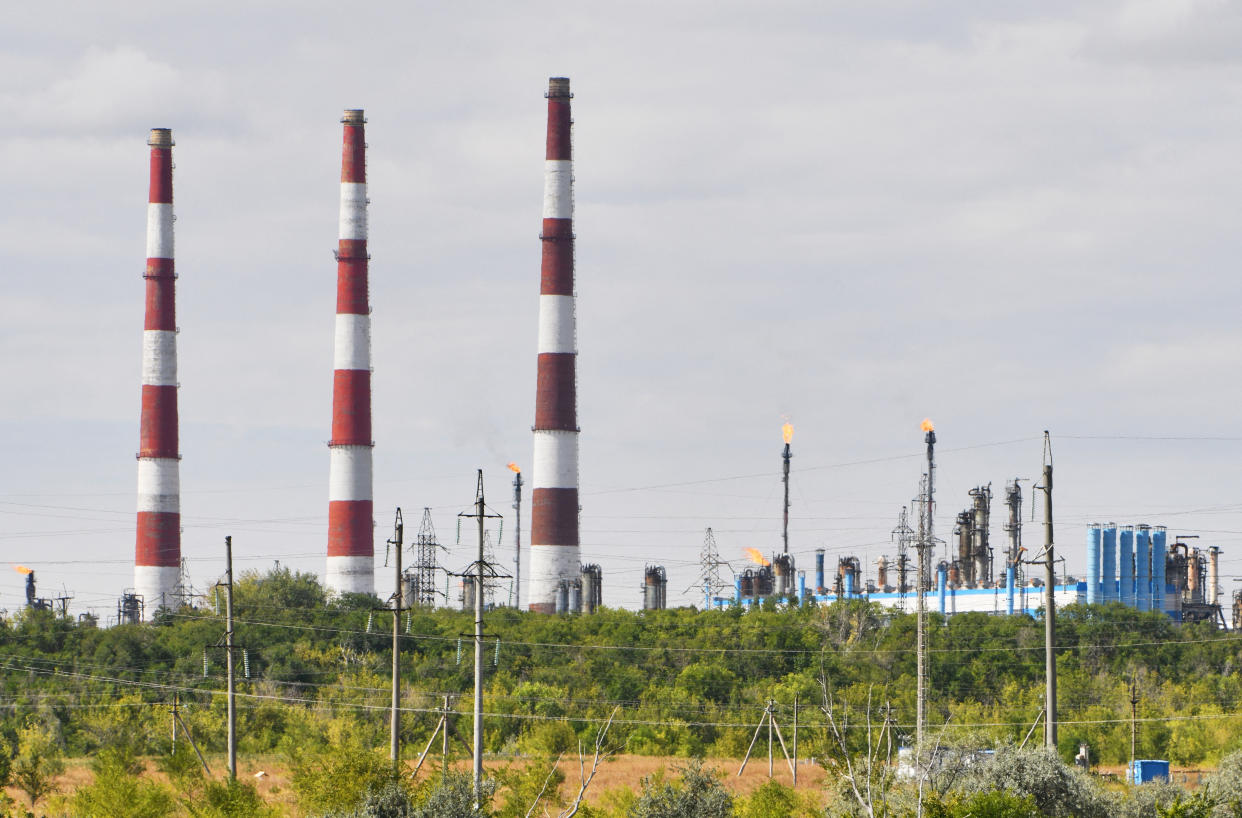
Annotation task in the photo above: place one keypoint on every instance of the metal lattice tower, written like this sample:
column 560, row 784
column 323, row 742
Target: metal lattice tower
column 425, row 562
column 920, row 504
column 709, row 581
column 904, row 535
column 491, row 584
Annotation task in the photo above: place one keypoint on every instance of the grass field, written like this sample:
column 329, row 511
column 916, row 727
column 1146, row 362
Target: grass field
column 618, row 772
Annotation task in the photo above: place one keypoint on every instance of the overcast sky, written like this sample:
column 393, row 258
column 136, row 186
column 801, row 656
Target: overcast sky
column 1007, row 217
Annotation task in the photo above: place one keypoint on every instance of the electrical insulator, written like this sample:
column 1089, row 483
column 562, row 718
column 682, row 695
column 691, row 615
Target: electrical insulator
column 246, row 663
column 459, row 650
column 407, row 623
column 370, row 619
column 496, row 654
column 204, row 663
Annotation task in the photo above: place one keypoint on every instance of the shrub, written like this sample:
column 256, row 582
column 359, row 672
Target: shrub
column 697, row 794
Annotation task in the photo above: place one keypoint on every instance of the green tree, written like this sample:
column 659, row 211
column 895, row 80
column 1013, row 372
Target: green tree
column 119, row 792
column 523, row 786
column 335, row 776
column 38, row 762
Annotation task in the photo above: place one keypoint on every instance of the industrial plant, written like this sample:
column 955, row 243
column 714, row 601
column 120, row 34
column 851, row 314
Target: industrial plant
column 1132, row 565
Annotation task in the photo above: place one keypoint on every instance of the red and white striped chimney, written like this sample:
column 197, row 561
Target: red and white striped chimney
column 554, row 517
column 350, row 521
column 157, row 558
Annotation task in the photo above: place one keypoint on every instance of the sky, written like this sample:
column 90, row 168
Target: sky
column 1009, row 218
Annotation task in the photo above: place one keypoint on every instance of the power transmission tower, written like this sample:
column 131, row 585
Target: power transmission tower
column 709, row 581
column 425, row 563
column 482, row 570
column 904, row 535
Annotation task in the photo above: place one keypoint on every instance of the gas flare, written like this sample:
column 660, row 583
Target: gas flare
column 787, row 431
column 756, row 556
column 928, row 426
column 513, row 467
column 21, row 569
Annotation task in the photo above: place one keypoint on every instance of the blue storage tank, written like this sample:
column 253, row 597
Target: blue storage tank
column 1159, row 538
column 1142, row 568
column 1093, row 563
column 1125, row 568
column 1143, row 770
column 1108, row 564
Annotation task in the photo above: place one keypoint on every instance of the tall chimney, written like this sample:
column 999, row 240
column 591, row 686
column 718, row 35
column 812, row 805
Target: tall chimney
column 157, row 558
column 350, row 523
column 554, row 473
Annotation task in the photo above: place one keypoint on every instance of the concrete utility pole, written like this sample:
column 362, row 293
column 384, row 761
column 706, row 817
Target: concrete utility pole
column 228, row 651
column 478, row 652
column 1050, row 604
column 482, row 570
column 394, row 751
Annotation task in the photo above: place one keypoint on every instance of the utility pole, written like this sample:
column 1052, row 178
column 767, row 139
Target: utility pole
column 480, row 565
column 769, row 710
column 1050, row 604
column 398, row 599
column 795, row 741
column 228, row 650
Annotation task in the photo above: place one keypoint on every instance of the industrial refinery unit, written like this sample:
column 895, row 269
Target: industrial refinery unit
column 1135, row 569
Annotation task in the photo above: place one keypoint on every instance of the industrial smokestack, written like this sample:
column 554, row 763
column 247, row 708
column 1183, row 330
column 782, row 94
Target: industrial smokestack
column 554, row 544
column 350, row 523
column 157, row 558
column 786, row 455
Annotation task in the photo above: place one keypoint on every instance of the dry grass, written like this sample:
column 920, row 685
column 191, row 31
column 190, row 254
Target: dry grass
column 618, row 772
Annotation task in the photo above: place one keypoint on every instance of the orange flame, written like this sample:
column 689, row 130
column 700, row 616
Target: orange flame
column 21, row 569
column 787, row 431
column 928, row 426
column 513, row 467
column 756, row 556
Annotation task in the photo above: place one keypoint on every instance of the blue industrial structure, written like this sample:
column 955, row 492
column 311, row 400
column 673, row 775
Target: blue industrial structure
column 1093, row 564
column 1108, row 569
column 1127, row 566
column 1142, row 566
